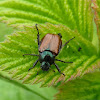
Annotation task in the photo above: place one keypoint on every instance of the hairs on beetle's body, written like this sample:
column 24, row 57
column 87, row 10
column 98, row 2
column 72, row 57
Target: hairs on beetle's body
column 48, row 51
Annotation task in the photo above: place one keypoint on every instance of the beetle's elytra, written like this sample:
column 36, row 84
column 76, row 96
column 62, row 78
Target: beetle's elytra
column 49, row 47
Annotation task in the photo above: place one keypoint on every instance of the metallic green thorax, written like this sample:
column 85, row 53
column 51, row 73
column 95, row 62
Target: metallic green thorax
column 46, row 59
column 43, row 54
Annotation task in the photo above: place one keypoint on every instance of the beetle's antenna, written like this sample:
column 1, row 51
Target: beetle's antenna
column 58, row 69
column 52, row 69
column 38, row 36
column 31, row 54
column 62, row 61
column 34, row 64
column 67, row 42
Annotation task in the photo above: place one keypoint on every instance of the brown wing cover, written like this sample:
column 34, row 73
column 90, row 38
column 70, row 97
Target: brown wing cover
column 51, row 41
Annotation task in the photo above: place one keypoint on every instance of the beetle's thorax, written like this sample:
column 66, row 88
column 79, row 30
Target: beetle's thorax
column 46, row 59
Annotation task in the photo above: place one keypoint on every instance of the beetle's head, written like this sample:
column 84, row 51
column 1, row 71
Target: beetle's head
column 45, row 66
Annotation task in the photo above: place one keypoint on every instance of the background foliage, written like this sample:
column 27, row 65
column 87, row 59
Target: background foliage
column 87, row 87
column 76, row 18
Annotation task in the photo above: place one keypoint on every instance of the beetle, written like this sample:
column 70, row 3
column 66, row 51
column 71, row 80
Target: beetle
column 49, row 47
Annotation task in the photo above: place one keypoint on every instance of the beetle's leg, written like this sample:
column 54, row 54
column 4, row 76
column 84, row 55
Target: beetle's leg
column 38, row 36
column 62, row 61
column 31, row 54
column 58, row 69
column 34, row 64
column 67, row 42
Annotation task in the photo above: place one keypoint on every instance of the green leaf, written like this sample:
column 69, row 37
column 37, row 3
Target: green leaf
column 75, row 14
column 96, row 7
column 12, row 49
column 85, row 88
column 4, row 30
column 23, row 92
